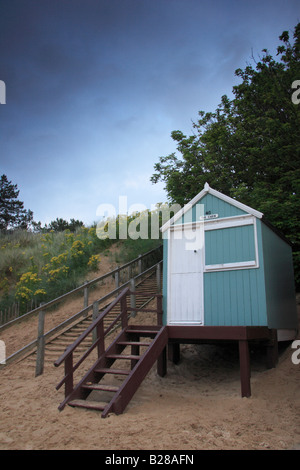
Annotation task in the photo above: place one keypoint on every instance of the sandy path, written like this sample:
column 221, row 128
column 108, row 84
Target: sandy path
column 196, row 406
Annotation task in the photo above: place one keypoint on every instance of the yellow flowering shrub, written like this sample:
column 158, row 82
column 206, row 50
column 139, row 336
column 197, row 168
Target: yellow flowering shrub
column 27, row 285
column 40, row 292
column 58, row 273
column 4, row 285
column 94, row 261
column 48, row 265
column 77, row 246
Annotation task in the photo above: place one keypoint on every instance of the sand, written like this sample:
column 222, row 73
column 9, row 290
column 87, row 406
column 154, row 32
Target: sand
column 196, row 406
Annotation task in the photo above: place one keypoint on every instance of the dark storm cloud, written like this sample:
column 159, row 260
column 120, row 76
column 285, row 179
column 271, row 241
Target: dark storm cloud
column 95, row 87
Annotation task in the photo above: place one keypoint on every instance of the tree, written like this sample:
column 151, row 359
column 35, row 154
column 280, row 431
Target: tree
column 75, row 224
column 58, row 225
column 249, row 148
column 12, row 212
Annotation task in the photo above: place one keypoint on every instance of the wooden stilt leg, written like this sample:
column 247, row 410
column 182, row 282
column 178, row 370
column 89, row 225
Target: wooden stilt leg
column 245, row 368
column 174, row 352
column 162, row 363
column 272, row 350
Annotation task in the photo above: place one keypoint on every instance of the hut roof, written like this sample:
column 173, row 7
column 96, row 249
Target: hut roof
column 208, row 190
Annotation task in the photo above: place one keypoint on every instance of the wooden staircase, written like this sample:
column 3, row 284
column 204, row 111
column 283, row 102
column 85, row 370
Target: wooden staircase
column 59, row 343
column 110, row 383
column 130, row 357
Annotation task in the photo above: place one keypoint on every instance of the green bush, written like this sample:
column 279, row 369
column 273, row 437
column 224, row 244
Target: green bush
column 36, row 267
column 39, row 267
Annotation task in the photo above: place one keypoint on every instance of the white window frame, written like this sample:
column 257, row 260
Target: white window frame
column 225, row 222
column 229, row 222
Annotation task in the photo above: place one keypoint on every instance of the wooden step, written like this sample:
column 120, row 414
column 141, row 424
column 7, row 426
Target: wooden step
column 57, row 342
column 103, row 370
column 70, row 334
column 102, row 387
column 123, row 356
column 133, row 343
column 142, row 332
column 62, row 346
column 91, row 405
column 56, row 352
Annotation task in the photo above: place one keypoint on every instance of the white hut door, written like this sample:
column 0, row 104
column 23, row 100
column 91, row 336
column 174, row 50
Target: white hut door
column 185, row 281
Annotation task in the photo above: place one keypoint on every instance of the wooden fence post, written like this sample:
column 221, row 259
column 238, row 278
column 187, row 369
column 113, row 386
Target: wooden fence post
column 117, row 277
column 100, row 338
column 94, row 317
column 158, row 278
column 85, row 297
column 40, row 354
column 124, row 314
column 132, row 297
column 159, row 310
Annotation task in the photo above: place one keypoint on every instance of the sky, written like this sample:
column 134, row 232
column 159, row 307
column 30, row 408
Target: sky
column 94, row 89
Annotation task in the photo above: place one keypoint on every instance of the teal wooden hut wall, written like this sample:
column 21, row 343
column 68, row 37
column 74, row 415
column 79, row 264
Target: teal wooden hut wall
column 239, row 272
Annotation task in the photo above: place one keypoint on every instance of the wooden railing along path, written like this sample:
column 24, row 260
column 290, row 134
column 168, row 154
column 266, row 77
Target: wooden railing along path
column 42, row 337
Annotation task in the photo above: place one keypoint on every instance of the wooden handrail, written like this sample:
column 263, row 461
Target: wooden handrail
column 77, row 289
column 76, row 343
column 99, row 342
column 67, row 356
column 29, row 347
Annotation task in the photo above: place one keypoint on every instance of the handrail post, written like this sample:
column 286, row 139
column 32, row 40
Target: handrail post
column 94, row 317
column 132, row 297
column 158, row 278
column 40, row 355
column 85, row 296
column 140, row 264
column 159, row 310
column 124, row 316
column 117, row 278
column 100, row 338
column 69, row 374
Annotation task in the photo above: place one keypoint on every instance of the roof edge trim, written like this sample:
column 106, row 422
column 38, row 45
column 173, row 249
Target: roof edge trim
column 207, row 189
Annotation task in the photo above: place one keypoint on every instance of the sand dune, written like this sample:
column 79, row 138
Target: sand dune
column 196, row 406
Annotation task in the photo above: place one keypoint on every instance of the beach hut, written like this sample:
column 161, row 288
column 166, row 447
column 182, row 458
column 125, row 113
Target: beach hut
column 227, row 277
column 228, row 274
